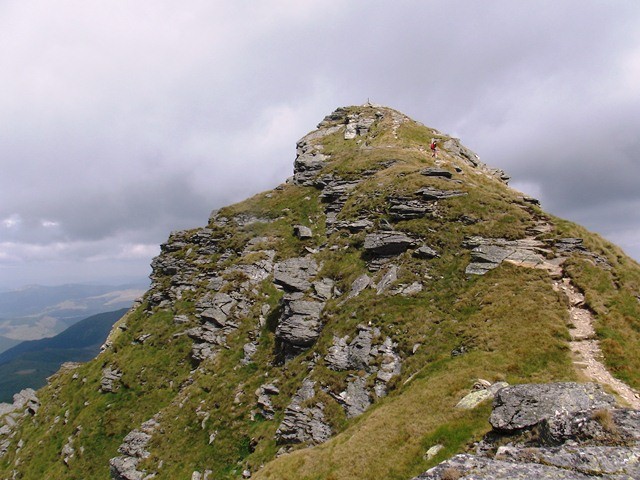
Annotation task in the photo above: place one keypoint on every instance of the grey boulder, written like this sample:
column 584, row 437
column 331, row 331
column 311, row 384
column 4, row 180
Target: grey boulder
column 295, row 274
column 300, row 324
column 302, row 232
column 387, row 243
column 522, row 406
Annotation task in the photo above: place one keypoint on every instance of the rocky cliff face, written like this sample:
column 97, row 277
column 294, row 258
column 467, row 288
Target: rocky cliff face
column 354, row 322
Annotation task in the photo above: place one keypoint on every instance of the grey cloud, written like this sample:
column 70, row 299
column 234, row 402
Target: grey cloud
column 124, row 123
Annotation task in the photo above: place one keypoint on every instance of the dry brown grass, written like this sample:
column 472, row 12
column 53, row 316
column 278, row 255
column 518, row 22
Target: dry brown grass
column 451, row 473
column 605, row 419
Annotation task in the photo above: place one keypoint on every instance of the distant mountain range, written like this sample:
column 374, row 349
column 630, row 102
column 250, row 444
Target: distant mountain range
column 29, row 363
column 35, row 312
column 7, row 343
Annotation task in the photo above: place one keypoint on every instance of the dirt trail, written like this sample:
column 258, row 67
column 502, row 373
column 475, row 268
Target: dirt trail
column 587, row 356
column 586, row 349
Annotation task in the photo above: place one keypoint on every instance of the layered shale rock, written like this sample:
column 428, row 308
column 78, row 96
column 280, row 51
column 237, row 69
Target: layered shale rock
column 387, row 244
column 304, row 423
column 300, row 324
column 295, row 274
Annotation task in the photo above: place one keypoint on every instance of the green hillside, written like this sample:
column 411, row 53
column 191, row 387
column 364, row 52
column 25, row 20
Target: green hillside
column 326, row 329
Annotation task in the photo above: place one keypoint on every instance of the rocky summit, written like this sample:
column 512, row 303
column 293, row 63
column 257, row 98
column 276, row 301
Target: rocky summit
column 383, row 313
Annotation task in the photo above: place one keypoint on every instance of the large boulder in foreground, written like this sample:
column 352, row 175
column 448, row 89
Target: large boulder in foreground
column 551, row 431
column 522, row 406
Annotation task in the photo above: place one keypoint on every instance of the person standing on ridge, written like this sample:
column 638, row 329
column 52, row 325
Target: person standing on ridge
column 433, row 146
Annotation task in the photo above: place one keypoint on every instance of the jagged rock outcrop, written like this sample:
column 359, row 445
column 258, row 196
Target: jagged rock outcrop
column 425, row 252
column 304, row 424
column 390, row 366
column 207, row 340
column 133, row 450
column 357, row 124
column 364, row 354
column 220, row 309
column 25, row 403
column 295, row 274
column 431, row 193
column 310, row 159
column 110, row 381
column 489, row 253
column 356, row 225
column 264, row 394
column 300, row 324
column 544, row 401
column 202, row 243
column 407, row 208
column 356, row 399
column 386, row 244
column 26, row 399
column 355, row 355
column 334, row 195
column 229, row 297
column 436, row 172
column 576, row 245
column 324, row 289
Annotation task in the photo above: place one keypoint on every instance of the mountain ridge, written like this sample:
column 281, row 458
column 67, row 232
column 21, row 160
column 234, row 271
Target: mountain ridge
column 37, row 311
column 29, row 363
column 329, row 327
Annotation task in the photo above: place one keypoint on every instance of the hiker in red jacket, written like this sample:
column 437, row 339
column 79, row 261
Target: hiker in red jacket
column 433, row 146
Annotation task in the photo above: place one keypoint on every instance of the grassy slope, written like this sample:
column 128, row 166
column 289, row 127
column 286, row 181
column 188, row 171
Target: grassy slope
column 511, row 322
column 152, row 374
column 517, row 341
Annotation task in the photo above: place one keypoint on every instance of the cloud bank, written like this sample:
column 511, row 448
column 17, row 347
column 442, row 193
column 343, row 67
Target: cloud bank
column 122, row 122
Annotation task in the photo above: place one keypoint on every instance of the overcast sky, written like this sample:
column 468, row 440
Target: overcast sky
column 123, row 121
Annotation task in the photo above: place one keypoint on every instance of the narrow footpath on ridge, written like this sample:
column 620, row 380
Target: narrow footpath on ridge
column 586, row 348
column 531, row 252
